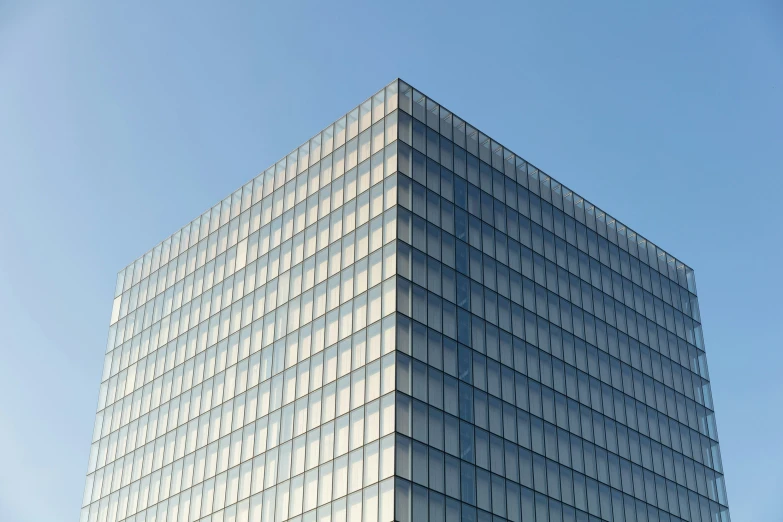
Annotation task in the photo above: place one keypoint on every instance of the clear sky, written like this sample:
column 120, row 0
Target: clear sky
column 120, row 123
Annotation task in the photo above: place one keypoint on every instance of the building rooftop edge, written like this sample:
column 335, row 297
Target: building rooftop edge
column 588, row 206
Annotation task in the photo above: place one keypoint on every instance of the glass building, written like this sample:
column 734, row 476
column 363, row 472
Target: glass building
column 403, row 320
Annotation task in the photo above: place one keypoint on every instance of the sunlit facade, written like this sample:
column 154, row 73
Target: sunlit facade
column 403, row 320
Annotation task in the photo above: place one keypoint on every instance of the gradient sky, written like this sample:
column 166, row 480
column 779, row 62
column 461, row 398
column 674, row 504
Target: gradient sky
column 120, row 123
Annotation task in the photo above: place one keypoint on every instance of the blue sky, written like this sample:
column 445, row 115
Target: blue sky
column 120, row 123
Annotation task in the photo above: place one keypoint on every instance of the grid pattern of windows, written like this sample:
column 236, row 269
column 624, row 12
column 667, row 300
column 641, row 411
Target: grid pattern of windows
column 402, row 320
column 249, row 372
column 550, row 364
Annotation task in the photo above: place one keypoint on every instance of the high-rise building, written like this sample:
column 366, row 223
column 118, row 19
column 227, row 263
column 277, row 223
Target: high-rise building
column 404, row 320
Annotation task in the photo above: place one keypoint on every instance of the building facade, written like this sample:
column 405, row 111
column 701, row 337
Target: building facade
column 403, row 320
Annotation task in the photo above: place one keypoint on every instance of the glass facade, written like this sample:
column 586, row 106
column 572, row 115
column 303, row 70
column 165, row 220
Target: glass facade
column 403, row 320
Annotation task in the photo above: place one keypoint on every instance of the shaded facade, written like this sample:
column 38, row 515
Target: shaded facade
column 403, row 320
